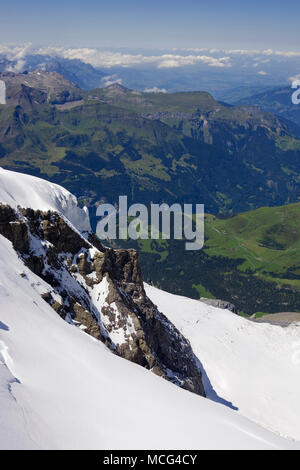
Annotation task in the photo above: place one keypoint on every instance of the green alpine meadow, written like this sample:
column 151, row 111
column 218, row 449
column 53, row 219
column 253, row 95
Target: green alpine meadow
column 251, row 259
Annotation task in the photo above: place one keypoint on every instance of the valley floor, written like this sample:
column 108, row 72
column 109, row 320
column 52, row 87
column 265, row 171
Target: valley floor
column 283, row 319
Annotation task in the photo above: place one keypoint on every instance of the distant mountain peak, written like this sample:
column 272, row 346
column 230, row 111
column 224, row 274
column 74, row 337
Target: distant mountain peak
column 117, row 86
column 57, row 89
column 37, row 78
column 116, row 89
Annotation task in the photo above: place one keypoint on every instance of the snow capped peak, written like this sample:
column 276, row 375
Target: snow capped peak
column 18, row 189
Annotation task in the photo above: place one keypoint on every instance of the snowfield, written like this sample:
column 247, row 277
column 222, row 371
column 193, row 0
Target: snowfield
column 62, row 389
column 255, row 366
column 17, row 189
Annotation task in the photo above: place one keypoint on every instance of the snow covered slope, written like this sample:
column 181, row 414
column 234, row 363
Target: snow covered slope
column 254, row 366
column 17, row 189
column 60, row 388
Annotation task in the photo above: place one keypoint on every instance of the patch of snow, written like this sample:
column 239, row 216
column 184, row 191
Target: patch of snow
column 92, row 276
column 92, row 252
column 99, row 292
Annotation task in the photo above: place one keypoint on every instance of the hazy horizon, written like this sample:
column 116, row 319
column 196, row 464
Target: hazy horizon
column 260, row 25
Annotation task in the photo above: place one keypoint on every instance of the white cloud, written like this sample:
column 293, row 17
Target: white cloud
column 108, row 59
column 94, row 57
column 155, row 89
column 13, row 52
column 111, row 79
column 243, row 51
column 218, row 58
column 171, row 60
column 281, row 53
column 249, row 52
column 17, row 67
column 261, row 61
column 262, row 72
column 17, row 55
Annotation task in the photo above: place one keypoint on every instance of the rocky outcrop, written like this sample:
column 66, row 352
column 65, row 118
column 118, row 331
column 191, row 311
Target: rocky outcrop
column 219, row 304
column 101, row 291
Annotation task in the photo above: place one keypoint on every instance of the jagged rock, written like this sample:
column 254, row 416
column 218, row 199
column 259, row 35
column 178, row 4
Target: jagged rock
column 7, row 214
column 16, row 232
column 101, row 290
column 65, row 96
column 94, row 240
column 58, row 307
column 84, row 317
column 50, row 231
column 84, row 265
column 219, row 304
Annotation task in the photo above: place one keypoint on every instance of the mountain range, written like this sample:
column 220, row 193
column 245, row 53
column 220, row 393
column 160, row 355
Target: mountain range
column 180, row 147
column 152, row 146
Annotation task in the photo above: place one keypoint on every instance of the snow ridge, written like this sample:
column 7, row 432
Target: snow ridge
column 17, row 189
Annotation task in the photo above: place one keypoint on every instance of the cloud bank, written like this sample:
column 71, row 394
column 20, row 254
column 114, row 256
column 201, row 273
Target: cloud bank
column 109, row 59
column 263, row 64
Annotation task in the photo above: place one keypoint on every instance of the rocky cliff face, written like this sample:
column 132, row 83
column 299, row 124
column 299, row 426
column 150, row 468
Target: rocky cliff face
column 101, row 291
column 33, row 90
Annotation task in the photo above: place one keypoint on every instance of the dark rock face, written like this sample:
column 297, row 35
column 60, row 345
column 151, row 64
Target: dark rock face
column 220, row 304
column 101, row 291
column 65, row 96
column 15, row 232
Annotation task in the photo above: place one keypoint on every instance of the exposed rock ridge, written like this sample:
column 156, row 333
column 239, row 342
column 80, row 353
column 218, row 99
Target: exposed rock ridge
column 219, row 304
column 101, row 291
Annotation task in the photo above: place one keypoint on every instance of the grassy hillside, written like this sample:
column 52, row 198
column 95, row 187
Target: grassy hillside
column 268, row 239
column 251, row 259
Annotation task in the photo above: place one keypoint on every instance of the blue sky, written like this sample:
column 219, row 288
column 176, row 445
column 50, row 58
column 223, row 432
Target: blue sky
column 156, row 24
